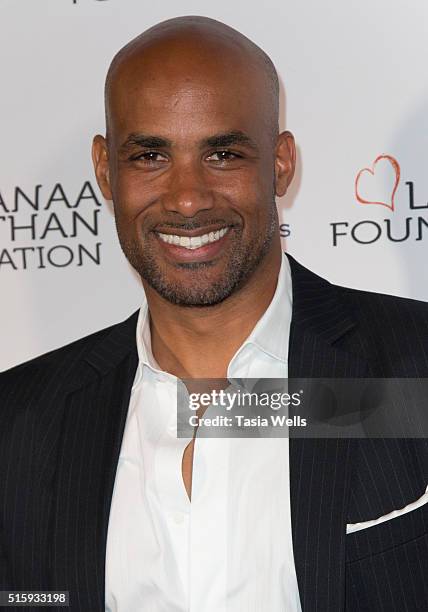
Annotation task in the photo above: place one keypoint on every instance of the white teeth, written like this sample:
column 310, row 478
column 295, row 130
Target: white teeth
column 195, row 242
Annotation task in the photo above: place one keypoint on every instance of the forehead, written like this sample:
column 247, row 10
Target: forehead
column 187, row 92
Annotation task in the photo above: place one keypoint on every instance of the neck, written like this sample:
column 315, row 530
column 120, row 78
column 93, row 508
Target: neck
column 192, row 342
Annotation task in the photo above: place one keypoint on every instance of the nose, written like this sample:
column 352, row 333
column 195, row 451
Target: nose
column 187, row 192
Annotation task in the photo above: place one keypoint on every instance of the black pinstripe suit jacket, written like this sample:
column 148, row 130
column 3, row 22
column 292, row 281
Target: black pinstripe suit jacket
column 61, row 424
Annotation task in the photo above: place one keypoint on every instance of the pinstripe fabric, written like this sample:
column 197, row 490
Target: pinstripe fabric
column 339, row 332
column 61, row 424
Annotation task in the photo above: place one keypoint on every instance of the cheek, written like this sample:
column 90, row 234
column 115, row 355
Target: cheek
column 253, row 196
column 252, row 182
column 133, row 194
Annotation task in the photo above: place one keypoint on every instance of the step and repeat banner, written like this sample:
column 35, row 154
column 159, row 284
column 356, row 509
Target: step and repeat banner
column 354, row 93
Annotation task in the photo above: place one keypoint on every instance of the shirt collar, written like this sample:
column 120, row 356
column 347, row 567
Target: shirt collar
column 144, row 340
column 270, row 334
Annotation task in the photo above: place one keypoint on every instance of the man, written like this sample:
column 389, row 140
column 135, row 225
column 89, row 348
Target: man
column 97, row 494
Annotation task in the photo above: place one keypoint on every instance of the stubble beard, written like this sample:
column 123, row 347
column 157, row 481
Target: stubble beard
column 242, row 262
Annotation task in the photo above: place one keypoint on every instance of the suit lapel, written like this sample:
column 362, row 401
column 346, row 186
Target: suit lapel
column 320, row 468
column 96, row 406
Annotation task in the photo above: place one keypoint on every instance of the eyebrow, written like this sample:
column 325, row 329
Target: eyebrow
column 145, row 141
column 230, row 138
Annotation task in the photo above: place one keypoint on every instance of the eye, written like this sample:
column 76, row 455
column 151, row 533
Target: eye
column 223, row 156
column 150, row 157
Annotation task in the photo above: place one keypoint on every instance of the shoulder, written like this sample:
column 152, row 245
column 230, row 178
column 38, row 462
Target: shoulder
column 34, row 395
column 47, row 372
column 387, row 311
column 375, row 310
column 389, row 332
column 392, row 332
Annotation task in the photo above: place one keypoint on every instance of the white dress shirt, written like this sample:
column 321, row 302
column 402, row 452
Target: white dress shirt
column 230, row 548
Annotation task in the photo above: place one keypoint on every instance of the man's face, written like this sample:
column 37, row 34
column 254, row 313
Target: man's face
column 192, row 176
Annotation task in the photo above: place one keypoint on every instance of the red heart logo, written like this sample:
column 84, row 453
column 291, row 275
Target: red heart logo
column 396, row 168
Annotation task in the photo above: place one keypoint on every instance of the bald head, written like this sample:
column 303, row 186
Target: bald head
column 186, row 49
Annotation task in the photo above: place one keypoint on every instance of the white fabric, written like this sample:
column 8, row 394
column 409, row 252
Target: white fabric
column 230, row 548
column 352, row 527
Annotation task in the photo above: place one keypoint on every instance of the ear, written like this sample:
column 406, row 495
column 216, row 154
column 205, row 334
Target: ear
column 285, row 162
column 100, row 160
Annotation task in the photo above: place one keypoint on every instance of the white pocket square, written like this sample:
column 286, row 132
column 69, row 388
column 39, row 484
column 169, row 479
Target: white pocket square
column 352, row 527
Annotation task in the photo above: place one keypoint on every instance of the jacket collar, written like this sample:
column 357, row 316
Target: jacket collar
column 319, row 307
column 104, row 353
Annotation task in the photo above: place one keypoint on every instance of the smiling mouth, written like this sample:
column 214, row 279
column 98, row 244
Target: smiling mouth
column 193, row 242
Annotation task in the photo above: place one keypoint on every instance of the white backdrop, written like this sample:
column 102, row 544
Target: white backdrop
column 356, row 90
